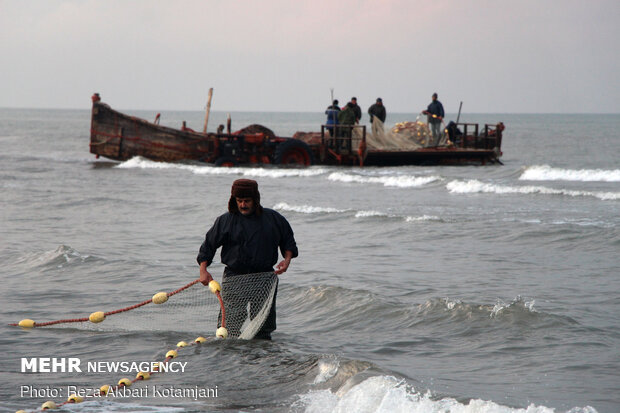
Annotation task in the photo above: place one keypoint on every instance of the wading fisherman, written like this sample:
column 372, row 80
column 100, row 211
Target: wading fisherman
column 250, row 237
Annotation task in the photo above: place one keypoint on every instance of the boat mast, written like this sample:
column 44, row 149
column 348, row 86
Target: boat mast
column 204, row 130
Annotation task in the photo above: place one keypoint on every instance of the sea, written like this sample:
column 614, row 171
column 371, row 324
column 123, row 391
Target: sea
column 417, row 288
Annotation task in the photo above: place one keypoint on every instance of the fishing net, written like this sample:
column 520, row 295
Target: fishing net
column 238, row 308
column 246, row 300
column 245, row 310
column 403, row 136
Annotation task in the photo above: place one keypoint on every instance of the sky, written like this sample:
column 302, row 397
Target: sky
column 496, row 56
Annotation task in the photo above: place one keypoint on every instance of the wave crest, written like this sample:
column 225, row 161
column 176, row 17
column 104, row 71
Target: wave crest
column 55, row 258
column 473, row 186
column 547, row 173
column 143, row 163
column 400, row 181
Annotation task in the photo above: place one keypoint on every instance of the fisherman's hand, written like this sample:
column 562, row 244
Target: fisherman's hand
column 205, row 276
column 282, row 266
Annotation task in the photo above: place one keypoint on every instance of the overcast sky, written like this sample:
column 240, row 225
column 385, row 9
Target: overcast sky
column 554, row 56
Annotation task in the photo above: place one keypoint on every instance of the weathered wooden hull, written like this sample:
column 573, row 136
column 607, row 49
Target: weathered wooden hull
column 120, row 137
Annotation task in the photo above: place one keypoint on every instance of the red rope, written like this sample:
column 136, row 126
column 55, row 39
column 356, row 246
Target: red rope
column 219, row 296
column 121, row 310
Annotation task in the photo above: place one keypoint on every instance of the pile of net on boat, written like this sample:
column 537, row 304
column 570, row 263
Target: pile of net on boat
column 402, row 136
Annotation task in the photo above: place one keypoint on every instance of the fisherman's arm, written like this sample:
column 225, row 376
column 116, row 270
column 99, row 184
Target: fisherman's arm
column 283, row 265
column 288, row 246
column 213, row 240
column 205, row 276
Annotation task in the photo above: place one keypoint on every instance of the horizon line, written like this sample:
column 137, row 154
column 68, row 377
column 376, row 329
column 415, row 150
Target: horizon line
column 305, row 111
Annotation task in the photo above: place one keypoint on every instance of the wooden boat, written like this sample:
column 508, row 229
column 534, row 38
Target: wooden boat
column 118, row 136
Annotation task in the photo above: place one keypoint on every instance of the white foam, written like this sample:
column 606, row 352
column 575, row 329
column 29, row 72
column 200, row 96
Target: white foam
column 423, row 218
column 386, row 394
column 547, row 173
column 400, row 181
column 307, row 209
column 501, row 306
column 327, row 369
column 474, row 186
column 368, row 214
column 142, row 163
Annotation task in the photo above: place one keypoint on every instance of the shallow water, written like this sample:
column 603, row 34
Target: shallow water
column 479, row 289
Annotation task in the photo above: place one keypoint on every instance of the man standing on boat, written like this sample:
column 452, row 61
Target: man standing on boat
column 346, row 118
column 332, row 116
column 250, row 237
column 377, row 110
column 435, row 115
column 356, row 109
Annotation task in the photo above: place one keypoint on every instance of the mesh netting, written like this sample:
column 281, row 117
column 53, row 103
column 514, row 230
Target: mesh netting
column 403, row 136
column 247, row 300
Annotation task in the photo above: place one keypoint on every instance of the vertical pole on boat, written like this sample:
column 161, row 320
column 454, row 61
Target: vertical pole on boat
column 459, row 115
column 204, row 130
column 228, row 122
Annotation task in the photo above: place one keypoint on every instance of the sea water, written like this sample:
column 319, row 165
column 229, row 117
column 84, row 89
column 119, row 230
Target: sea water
column 417, row 289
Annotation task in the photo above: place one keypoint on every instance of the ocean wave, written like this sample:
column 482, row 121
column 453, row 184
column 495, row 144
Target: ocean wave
column 142, row 163
column 456, row 308
column 310, row 209
column 368, row 214
column 400, row 181
column 473, row 186
column 423, row 218
column 307, row 209
column 517, row 311
column 59, row 257
column 388, row 394
column 547, row 173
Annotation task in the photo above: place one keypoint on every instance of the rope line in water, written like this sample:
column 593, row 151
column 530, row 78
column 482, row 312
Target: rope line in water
column 124, row 382
column 248, row 298
column 99, row 316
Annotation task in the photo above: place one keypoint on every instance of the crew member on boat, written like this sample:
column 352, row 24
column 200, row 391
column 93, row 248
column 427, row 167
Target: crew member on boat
column 435, row 117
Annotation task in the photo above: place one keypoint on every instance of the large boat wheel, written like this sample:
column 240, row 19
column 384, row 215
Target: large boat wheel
column 226, row 161
column 293, row 152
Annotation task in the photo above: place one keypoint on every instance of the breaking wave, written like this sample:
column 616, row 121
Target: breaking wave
column 547, row 173
column 401, row 181
column 60, row 257
column 309, row 209
column 473, row 186
column 142, row 163
column 388, row 394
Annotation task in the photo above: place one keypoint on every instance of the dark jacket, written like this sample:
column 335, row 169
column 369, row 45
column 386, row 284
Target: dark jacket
column 249, row 243
column 347, row 116
column 435, row 108
column 358, row 111
column 378, row 111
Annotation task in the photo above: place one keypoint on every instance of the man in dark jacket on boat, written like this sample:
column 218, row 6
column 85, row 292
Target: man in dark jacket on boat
column 250, row 237
column 377, row 110
column 356, row 109
column 435, row 115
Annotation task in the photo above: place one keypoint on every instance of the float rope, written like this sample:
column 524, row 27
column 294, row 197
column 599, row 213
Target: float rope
column 99, row 316
column 125, row 382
